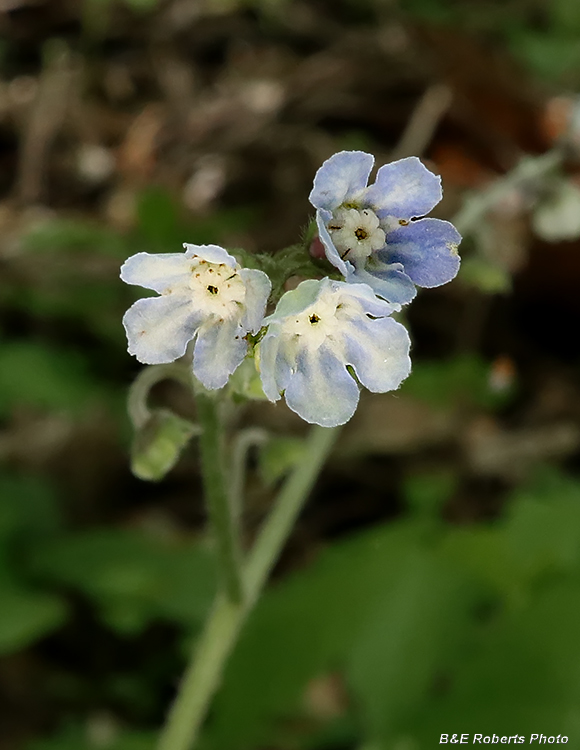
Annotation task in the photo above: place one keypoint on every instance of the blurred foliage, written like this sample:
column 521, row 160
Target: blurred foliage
column 428, row 626
column 131, row 577
column 72, row 236
column 463, row 381
column 278, row 456
column 422, row 622
column 557, row 218
column 544, row 36
column 485, row 276
column 45, row 377
column 74, row 737
column 28, row 513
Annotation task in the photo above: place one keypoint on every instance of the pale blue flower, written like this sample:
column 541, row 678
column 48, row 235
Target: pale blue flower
column 371, row 233
column 204, row 295
column 319, row 329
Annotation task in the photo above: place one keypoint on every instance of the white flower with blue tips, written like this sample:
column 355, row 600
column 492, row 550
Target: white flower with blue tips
column 316, row 332
column 372, row 234
column 204, row 295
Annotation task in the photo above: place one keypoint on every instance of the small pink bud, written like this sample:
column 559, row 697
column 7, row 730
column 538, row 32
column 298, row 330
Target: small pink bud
column 316, row 249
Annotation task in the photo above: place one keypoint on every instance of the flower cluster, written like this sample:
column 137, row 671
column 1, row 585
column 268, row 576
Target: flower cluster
column 325, row 338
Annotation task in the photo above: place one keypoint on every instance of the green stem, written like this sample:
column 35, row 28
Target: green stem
column 286, row 509
column 217, row 494
column 139, row 411
column 223, row 626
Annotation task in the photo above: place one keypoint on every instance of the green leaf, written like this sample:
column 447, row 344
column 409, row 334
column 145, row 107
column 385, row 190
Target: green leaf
column 28, row 507
column 158, row 219
column 311, row 624
column 73, row 235
column 26, row 616
column 28, row 513
column 73, row 736
column 565, row 16
column 539, row 536
column 161, row 228
column 483, row 552
column 133, row 578
column 523, row 674
column 552, row 56
column 413, row 632
column 431, row 627
column 426, row 493
column 543, row 524
column 44, row 377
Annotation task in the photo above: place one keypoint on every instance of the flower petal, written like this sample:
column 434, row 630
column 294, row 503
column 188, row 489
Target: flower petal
column 379, row 352
column 159, row 328
column 322, row 219
column 297, row 300
column 391, row 283
column 340, row 179
column 210, row 253
column 427, row 249
column 160, row 271
column 275, row 366
column 219, row 350
column 371, row 304
column 321, row 391
column 404, row 189
column 258, row 288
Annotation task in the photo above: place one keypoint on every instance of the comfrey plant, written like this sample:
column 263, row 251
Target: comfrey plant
column 319, row 345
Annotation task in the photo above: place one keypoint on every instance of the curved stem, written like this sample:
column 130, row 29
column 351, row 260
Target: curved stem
column 217, row 494
column 137, row 407
column 203, row 675
column 222, row 628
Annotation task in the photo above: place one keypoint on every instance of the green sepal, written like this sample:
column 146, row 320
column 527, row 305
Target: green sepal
column 245, row 384
column 294, row 260
column 158, row 444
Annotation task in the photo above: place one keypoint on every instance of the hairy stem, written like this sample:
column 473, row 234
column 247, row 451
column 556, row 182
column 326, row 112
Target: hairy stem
column 137, row 407
column 223, row 626
column 217, row 495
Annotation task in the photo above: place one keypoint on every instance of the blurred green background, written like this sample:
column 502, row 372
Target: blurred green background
column 432, row 584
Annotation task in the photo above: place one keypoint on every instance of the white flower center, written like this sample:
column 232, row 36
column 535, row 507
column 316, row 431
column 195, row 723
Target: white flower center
column 356, row 234
column 218, row 288
column 322, row 322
